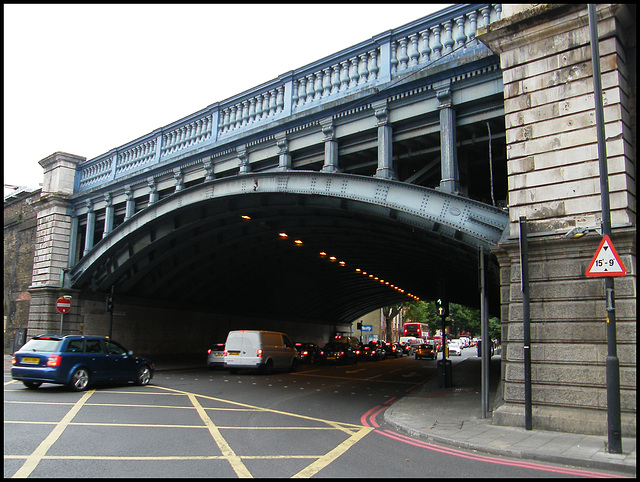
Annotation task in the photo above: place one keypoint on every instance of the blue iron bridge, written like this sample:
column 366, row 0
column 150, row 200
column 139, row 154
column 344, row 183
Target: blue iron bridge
column 361, row 180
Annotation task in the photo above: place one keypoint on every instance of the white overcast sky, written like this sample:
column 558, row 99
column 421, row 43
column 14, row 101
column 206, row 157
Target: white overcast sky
column 85, row 79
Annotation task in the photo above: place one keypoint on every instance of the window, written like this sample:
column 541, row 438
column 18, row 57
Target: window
column 94, row 346
column 115, row 349
column 75, row 346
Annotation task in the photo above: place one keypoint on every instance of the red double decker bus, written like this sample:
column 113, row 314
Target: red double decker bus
column 419, row 330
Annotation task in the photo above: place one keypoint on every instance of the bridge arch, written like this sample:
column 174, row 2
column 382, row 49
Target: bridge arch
column 220, row 242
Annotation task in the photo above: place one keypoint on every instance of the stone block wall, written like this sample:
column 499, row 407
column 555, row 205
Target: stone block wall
column 554, row 181
column 20, row 216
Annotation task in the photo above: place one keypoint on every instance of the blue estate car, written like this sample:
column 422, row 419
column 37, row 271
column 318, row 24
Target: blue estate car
column 77, row 361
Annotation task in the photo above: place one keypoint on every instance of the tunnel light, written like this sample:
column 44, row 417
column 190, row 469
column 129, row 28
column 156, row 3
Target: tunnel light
column 298, row 242
column 322, row 254
column 342, row 263
column 244, row 216
column 333, row 259
column 358, row 270
column 283, row 235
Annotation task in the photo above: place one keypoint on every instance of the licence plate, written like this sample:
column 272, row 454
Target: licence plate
column 29, row 359
column 331, row 358
column 233, row 353
column 219, row 354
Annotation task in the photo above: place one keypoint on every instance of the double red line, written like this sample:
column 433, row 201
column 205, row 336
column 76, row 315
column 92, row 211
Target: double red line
column 369, row 420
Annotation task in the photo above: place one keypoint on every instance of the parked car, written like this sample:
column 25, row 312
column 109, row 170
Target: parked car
column 308, row 352
column 426, row 350
column 259, row 350
column 337, row 352
column 454, row 349
column 215, row 356
column 78, row 361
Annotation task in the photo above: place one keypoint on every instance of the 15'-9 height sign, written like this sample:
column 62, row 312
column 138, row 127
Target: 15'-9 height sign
column 606, row 261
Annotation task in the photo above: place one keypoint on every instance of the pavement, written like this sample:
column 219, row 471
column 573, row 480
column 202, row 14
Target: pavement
column 452, row 416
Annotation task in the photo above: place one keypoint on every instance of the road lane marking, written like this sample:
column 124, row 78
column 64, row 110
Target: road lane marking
column 41, row 450
column 236, row 463
column 332, row 455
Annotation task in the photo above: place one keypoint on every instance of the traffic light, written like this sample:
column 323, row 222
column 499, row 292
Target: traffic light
column 109, row 304
column 442, row 307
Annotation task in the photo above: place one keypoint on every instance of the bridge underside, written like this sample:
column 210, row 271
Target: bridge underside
column 226, row 254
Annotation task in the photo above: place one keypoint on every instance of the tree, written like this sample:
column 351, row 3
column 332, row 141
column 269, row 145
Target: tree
column 390, row 312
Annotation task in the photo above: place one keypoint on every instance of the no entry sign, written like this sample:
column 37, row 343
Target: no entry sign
column 63, row 305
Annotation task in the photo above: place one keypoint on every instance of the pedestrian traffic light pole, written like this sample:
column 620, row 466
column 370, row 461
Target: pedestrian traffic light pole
column 612, row 364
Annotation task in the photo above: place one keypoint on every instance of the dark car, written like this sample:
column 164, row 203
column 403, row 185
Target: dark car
column 215, row 356
column 375, row 351
column 307, row 352
column 426, row 350
column 78, row 361
column 336, row 352
column 406, row 348
column 392, row 349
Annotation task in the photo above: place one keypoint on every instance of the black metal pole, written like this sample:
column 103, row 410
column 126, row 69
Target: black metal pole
column 111, row 313
column 612, row 365
column 526, row 321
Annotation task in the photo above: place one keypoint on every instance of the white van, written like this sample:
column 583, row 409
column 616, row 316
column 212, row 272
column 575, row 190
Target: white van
column 256, row 349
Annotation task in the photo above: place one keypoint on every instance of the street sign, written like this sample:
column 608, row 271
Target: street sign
column 606, row 261
column 63, row 305
column 367, row 327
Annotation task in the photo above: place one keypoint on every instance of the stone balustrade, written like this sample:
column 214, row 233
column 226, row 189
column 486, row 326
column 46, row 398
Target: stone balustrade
column 370, row 64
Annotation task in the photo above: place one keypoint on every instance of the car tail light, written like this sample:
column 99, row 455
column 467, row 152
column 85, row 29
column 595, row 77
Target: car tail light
column 305, row 352
column 259, row 353
column 13, row 360
column 341, row 353
column 54, row 361
column 209, row 351
column 322, row 352
column 224, row 352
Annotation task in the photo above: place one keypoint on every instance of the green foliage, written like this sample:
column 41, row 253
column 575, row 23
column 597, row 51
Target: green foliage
column 461, row 318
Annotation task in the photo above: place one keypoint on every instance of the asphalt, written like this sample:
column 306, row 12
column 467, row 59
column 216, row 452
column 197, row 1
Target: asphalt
column 453, row 416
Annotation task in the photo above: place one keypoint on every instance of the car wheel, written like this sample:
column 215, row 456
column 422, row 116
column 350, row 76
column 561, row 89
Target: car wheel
column 79, row 380
column 294, row 365
column 32, row 385
column 268, row 367
column 144, row 376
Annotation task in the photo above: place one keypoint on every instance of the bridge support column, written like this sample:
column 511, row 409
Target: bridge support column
column 108, row 215
column 284, row 157
column 450, row 180
column 330, row 146
column 551, row 170
column 53, row 232
column 90, row 228
column 385, row 141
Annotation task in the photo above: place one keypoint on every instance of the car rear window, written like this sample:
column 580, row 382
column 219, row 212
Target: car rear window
column 42, row 345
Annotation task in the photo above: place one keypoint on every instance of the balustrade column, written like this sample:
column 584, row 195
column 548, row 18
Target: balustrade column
column 73, row 239
column 450, row 178
column 330, row 146
column 90, row 228
column 108, row 215
column 385, row 141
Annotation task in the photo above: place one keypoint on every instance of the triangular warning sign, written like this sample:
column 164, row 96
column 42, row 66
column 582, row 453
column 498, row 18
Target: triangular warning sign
column 606, row 261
